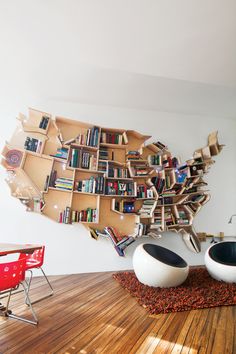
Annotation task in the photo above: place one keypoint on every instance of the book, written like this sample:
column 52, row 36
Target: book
column 32, row 144
column 61, row 153
column 44, row 122
column 46, row 185
column 112, row 138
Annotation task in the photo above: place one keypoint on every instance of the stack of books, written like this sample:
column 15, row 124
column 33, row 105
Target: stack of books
column 102, row 166
column 64, row 183
column 182, row 219
column 160, row 145
column 147, row 208
column 103, row 154
column 133, row 155
column 119, row 242
column 140, row 169
column 61, row 153
column 158, row 217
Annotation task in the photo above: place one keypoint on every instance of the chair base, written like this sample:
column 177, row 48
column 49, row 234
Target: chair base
column 11, row 315
column 4, row 310
column 29, row 283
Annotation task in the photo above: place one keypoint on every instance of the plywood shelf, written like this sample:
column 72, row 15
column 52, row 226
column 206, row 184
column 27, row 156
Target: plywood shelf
column 59, row 190
column 113, row 146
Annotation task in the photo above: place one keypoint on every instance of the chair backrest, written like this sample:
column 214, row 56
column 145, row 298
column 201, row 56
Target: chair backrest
column 36, row 257
column 12, row 273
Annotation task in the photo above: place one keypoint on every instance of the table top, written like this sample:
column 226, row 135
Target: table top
column 7, row 248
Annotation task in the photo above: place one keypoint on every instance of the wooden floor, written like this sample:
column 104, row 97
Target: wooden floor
column 91, row 313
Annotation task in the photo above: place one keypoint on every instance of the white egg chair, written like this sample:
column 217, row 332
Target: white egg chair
column 220, row 261
column 158, row 266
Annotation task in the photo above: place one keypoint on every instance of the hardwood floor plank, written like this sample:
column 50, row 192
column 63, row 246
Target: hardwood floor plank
column 183, row 333
column 92, row 313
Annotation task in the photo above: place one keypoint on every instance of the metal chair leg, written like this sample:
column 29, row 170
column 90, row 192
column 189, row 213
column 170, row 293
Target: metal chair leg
column 43, row 297
column 8, row 312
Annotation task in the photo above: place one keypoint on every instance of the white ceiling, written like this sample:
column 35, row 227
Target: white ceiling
column 170, row 55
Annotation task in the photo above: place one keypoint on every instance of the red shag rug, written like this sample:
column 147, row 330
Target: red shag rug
column 197, row 292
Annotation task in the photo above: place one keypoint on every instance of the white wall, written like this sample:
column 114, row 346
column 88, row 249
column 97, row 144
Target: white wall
column 66, row 57
column 69, row 249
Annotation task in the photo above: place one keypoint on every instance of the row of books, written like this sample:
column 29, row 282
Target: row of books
column 124, row 188
column 69, row 216
column 50, row 180
column 83, row 159
column 168, row 181
column 32, row 144
column 44, row 122
column 119, row 242
column 123, row 206
column 147, row 209
column 118, row 172
column 89, row 138
column 113, row 138
column 38, row 205
column 91, row 185
column 169, row 162
column 144, row 192
column 142, row 229
column 159, row 184
column 154, row 160
column 169, row 217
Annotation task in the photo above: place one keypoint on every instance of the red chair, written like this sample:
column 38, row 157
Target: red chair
column 35, row 260
column 12, row 274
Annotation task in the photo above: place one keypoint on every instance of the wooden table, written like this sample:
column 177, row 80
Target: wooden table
column 9, row 248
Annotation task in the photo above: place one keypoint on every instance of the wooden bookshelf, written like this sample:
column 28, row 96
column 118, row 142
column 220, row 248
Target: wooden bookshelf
column 104, row 176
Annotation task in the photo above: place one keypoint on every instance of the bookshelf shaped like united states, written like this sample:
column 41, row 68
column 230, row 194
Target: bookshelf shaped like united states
column 83, row 173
